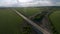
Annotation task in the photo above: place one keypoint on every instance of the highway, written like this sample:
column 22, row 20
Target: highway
column 43, row 20
column 32, row 23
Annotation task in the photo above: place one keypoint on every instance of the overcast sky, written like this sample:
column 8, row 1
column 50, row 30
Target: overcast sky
column 26, row 3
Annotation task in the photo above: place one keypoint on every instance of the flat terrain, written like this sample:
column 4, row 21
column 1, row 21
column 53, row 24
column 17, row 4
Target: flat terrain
column 55, row 18
column 29, row 11
column 9, row 22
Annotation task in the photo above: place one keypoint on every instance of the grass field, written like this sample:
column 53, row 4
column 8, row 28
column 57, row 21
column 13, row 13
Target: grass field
column 55, row 18
column 9, row 22
column 30, row 11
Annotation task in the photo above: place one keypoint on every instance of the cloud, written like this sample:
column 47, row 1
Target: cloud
column 57, row 4
column 37, row 3
column 7, row 2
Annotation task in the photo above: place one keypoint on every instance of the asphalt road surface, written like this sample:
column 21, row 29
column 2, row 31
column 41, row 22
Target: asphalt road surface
column 32, row 23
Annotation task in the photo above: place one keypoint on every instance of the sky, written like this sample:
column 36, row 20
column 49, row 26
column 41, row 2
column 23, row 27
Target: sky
column 27, row 3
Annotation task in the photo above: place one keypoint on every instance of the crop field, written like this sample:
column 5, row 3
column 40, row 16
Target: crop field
column 9, row 22
column 55, row 18
column 12, row 23
column 30, row 11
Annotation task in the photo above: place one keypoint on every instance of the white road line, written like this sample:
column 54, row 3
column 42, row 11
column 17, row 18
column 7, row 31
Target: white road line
column 32, row 23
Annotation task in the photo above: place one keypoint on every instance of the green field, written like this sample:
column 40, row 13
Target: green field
column 55, row 18
column 30, row 11
column 9, row 22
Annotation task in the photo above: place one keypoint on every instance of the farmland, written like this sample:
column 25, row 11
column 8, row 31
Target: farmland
column 55, row 18
column 12, row 23
column 29, row 11
column 9, row 22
